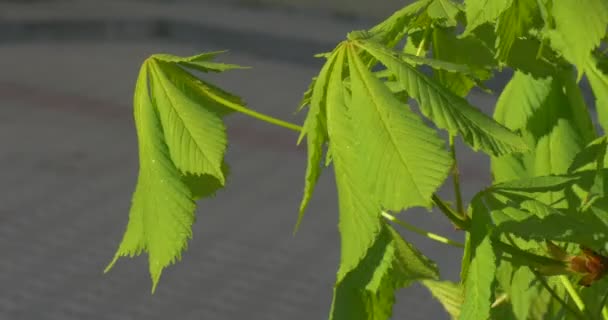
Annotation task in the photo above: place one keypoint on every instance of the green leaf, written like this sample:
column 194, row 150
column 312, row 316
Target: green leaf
column 405, row 160
column 195, row 135
column 201, row 62
column 599, row 83
column 468, row 51
column 482, row 269
column 520, row 99
column 368, row 292
column 522, row 292
column 315, row 131
column 162, row 211
column 546, row 223
column 536, row 184
column 392, row 30
column 360, row 220
column 447, row 110
column 449, row 294
column 576, row 40
column 514, row 23
column 444, row 10
column 483, row 11
column 588, row 157
column 547, row 112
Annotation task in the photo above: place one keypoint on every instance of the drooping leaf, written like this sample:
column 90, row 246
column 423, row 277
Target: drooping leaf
column 368, row 292
column 179, row 162
column 449, row 294
column 447, row 110
column 195, row 135
column 359, row 221
column 405, row 160
column 576, row 40
column 483, row 11
column 162, row 210
column 482, row 268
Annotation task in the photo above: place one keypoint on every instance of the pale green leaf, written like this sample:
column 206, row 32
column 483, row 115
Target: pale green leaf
column 404, row 160
column 587, row 158
column 195, row 134
column 449, row 294
column 162, row 210
column 483, row 11
column 447, row 110
column 359, row 221
column 482, row 268
column 368, row 292
column 580, row 25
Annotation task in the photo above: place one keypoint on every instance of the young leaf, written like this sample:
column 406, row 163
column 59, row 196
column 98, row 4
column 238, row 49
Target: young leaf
column 162, row 210
column 368, row 292
column 359, row 221
column 483, row 11
column 447, row 110
column 195, row 135
column 482, row 268
column 404, row 159
column 449, row 294
column 576, row 40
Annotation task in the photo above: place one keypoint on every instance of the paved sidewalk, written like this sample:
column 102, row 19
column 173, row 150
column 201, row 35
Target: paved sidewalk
column 69, row 159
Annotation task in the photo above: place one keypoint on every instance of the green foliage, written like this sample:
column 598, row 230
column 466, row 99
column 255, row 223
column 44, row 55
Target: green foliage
column 529, row 234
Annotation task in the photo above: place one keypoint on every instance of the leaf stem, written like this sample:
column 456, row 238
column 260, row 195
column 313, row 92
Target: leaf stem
column 557, row 297
column 460, row 221
column 254, row 114
column 572, row 292
column 456, row 178
column 422, row 232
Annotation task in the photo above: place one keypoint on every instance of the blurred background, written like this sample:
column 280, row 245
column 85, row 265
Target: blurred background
column 69, row 163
